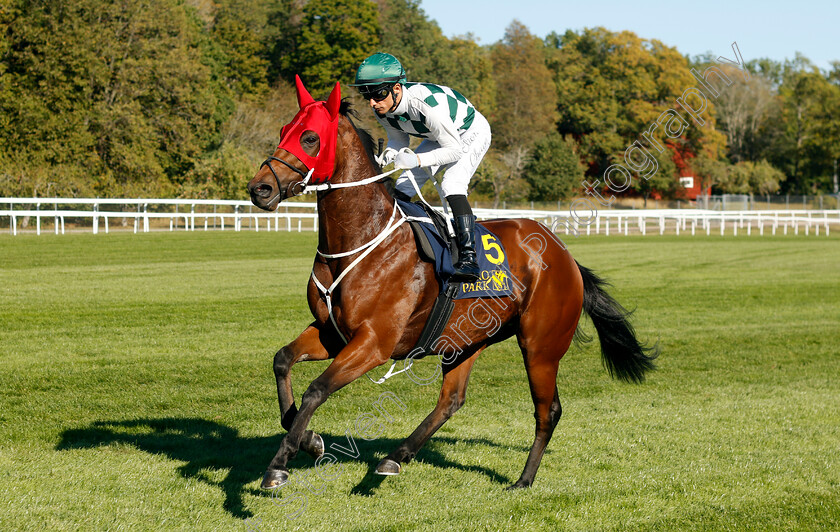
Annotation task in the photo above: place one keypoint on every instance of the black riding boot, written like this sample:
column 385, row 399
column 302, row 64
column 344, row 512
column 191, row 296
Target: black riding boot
column 466, row 269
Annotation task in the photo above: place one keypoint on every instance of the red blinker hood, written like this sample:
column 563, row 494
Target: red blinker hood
column 320, row 117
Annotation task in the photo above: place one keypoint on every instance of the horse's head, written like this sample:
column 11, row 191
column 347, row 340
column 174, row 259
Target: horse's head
column 306, row 153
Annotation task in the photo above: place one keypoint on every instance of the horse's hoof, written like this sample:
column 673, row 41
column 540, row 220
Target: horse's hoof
column 274, row 478
column 387, row 467
column 314, row 447
column 519, row 485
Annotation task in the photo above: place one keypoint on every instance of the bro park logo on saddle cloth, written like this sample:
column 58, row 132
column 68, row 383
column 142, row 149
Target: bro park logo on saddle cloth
column 494, row 280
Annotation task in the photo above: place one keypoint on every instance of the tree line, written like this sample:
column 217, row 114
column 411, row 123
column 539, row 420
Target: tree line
column 165, row 98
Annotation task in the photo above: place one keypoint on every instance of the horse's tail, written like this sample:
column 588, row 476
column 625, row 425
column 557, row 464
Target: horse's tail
column 623, row 356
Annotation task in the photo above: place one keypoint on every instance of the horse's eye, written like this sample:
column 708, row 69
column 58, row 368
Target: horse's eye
column 310, row 142
column 309, row 137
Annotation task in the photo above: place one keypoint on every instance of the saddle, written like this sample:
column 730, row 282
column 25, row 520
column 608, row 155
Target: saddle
column 433, row 241
column 436, row 244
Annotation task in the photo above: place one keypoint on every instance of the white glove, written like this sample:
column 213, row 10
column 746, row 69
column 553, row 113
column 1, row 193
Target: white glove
column 406, row 160
column 387, row 157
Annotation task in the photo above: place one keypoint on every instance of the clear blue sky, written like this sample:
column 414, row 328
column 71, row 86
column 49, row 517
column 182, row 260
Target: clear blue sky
column 769, row 28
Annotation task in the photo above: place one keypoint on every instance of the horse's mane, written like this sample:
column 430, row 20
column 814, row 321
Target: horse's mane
column 346, row 110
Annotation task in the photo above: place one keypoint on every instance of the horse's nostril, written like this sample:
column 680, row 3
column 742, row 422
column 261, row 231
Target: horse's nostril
column 263, row 190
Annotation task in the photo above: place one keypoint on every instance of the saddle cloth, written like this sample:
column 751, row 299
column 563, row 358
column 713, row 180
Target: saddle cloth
column 494, row 280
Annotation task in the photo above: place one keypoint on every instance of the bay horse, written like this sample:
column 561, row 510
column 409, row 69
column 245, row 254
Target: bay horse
column 385, row 294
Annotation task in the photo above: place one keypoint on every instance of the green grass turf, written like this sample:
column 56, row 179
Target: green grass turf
column 137, row 394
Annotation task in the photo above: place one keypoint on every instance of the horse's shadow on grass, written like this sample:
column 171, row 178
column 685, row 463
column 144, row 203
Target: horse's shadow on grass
column 206, row 446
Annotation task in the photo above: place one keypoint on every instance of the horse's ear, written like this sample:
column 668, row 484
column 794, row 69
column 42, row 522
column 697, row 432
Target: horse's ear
column 303, row 95
column 334, row 101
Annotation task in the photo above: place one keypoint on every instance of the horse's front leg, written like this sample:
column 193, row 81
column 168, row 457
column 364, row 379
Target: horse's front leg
column 453, row 393
column 363, row 353
column 311, row 344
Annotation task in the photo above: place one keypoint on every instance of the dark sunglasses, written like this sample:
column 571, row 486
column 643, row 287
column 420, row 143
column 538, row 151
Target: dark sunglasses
column 376, row 94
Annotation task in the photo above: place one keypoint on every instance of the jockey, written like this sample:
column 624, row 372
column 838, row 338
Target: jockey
column 455, row 138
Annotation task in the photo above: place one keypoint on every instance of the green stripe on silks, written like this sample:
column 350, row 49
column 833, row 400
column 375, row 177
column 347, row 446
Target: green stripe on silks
column 453, row 107
column 469, row 119
column 394, row 122
column 459, row 96
column 431, row 101
column 419, row 126
column 433, row 88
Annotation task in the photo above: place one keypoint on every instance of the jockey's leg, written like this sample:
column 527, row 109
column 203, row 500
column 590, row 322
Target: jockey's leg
column 466, row 269
column 455, row 185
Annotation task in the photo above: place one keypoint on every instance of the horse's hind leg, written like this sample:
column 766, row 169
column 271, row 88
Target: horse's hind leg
column 308, row 346
column 453, row 393
column 542, row 357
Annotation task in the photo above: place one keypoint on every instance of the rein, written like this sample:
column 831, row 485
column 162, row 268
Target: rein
column 297, row 188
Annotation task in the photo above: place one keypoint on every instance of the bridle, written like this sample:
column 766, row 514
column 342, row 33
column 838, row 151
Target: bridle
column 290, row 189
column 296, row 188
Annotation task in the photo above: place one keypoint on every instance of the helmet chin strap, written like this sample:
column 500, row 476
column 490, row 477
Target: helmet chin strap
column 394, row 97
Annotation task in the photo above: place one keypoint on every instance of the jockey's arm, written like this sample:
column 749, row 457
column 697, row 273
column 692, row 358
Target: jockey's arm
column 443, row 131
column 397, row 139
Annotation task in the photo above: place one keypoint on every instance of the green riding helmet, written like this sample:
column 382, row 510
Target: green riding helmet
column 377, row 76
column 379, row 69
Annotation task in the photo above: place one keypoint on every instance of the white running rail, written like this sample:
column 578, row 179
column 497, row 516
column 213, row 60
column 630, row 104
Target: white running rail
column 186, row 214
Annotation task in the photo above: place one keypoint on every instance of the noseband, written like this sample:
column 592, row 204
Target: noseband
column 295, row 187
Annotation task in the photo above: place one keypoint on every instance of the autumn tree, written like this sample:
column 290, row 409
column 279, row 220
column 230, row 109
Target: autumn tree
column 610, row 88
column 743, row 112
column 109, row 98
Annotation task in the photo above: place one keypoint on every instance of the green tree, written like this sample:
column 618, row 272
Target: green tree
column 329, row 42
column 710, row 169
column 809, row 142
column 428, row 55
column 663, row 180
column 554, row 171
column 113, row 97
column 526, row 103
column 747, row 177
column 240, row 29
column 765, row 178
column 219, row 174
